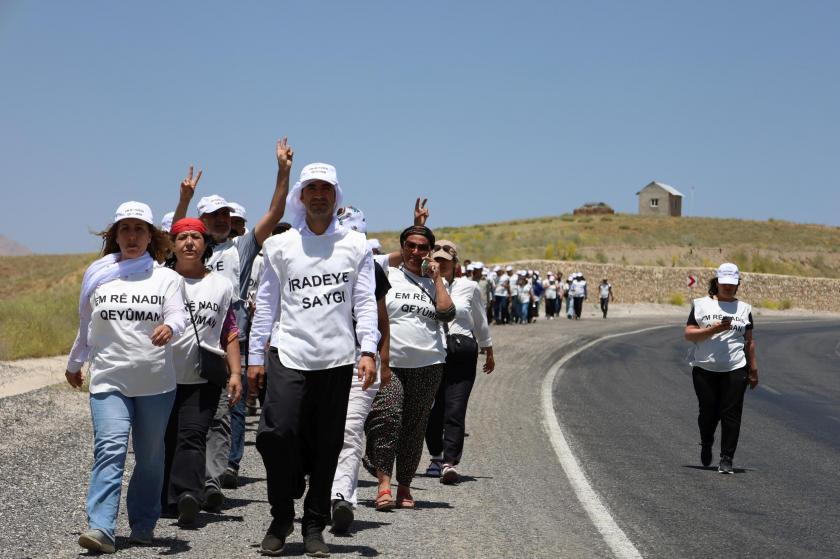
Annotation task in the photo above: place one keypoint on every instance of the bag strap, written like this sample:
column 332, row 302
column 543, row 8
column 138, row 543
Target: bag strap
column 192, row 319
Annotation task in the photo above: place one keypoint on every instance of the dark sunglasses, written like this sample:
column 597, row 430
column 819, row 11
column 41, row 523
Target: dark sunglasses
column 414, row 246
column 445, row 248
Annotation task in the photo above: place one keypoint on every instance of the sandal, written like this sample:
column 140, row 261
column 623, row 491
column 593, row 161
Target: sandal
column 404, row 500
column 386, row 504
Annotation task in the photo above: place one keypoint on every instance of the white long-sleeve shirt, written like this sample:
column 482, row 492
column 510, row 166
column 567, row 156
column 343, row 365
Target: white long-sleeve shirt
column 470, row 314
column 304, row 336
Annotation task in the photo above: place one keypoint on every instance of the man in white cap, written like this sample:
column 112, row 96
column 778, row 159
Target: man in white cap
column 318, row 279
column 238, row 217
column 233, row 258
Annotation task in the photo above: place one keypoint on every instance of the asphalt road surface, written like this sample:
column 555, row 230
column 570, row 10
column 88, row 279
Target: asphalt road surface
column 629, row 410
column 626, row 406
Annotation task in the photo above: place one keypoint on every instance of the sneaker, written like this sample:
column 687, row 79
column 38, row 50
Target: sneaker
column 229, row 479
column 275, row 538
column 342, row 515
column 725, row 466
column 96, row 540
column 314, row 544
column 142, row 537
column 435, row 468
column 449, row 475
column 705, row 454
column 213, row 499
column 188, row 508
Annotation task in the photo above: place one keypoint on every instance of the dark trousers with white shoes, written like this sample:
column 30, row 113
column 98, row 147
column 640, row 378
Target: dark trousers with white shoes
column 447, row 421
column 301, row 432
column 721, row 399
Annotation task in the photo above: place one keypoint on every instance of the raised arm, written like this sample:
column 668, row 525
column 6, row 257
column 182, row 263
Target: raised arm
column 186, row 195
column 277, row 207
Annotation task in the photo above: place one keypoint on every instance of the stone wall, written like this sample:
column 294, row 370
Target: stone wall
column 650, row 284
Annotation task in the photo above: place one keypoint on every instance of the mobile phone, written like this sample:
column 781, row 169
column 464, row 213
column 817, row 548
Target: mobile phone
column 424, row 267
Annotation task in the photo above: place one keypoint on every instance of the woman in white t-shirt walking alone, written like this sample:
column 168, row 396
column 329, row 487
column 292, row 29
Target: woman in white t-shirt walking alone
column 723, row 363
column 129, row 312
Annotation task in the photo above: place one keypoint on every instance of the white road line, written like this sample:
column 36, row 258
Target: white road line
column 770, row 390
column 615, row 538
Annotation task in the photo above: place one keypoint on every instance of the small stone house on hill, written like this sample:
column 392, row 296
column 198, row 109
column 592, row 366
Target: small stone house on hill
column 660, row 199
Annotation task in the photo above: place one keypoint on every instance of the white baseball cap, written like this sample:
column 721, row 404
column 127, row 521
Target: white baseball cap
column 497, row 268
column 728, row 273
column 478, row 265
column 213, row 203
column 312, row 172
column 237, row 210
column 508, row 268
column 166, row 222
column 353, row 218
column 470, row 267
column 136, row 210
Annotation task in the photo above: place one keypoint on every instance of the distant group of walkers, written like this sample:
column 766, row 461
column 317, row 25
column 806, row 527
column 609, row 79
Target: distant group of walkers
column 515, row 296
column 355, row 357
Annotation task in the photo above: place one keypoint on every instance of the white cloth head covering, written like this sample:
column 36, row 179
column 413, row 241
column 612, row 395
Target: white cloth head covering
column 166, row 223
column 314, row 171
column 353, row 218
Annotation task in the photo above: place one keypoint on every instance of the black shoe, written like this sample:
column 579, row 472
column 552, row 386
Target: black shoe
column 725, row 466
column 213, row 499
column 314, row 545
column 275, row 538
column 188, row 508
column 705, row 454
column 229, row 479
column 342, row 515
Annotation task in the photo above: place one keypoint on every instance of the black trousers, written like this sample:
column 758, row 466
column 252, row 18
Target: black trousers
column 721, row 399
column 578, row 305
column 301, row 433
column 447, row 422
column 605, row 305
column 186, row 442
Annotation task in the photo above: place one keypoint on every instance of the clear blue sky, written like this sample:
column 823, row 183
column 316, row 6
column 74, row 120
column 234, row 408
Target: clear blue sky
column 493, row 110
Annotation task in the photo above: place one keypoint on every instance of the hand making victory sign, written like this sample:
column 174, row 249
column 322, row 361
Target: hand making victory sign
column 421, row 212
column 285, row 154
column 189, row 183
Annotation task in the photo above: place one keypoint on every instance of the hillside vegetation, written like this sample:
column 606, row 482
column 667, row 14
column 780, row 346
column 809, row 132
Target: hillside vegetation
column 39, row 293
column 774, row 247
column 39, row 302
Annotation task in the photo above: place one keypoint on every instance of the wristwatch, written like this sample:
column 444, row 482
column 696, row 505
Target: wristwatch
column 370, row 354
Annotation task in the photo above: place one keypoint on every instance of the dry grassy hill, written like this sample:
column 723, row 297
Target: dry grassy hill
column 775, row 247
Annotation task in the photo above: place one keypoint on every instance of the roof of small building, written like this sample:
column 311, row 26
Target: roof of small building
column 668, row 188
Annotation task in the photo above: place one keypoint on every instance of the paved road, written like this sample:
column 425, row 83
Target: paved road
column 629, row 408
column 515, row 500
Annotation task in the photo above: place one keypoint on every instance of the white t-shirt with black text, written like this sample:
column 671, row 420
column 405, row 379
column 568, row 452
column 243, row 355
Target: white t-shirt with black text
column 724, row 351
column 125, row 312
column 208, row 299
column 417, row 338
